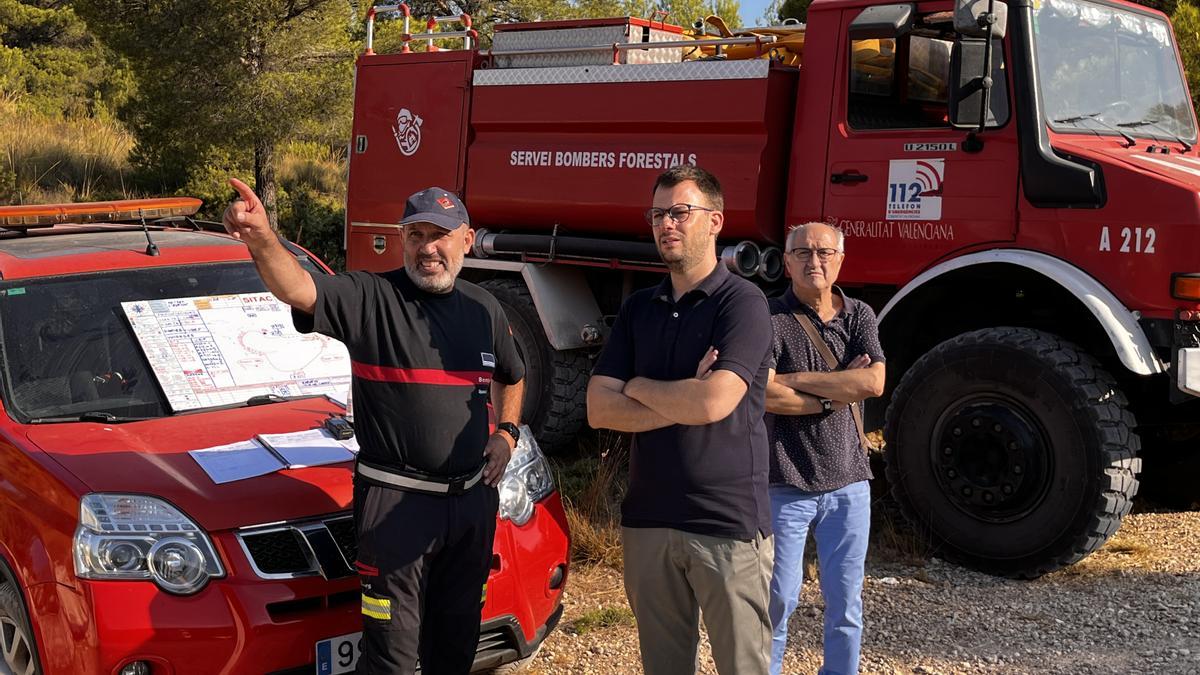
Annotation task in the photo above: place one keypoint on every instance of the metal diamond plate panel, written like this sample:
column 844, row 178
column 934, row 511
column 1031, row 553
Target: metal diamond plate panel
column 589, row 36
column 651, row 72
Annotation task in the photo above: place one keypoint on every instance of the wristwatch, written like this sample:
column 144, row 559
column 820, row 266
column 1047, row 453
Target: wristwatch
column 510, row 429
column 827, row 405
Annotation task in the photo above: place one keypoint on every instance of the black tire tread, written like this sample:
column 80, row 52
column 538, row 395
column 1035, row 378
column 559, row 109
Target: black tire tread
column 12, row 605
column 566, row 412
column 1096, row 396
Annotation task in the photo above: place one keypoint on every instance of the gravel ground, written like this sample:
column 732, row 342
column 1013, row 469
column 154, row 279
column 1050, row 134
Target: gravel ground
column 1132, row 607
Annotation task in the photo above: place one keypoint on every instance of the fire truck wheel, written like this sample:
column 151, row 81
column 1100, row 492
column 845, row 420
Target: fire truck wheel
column 1012, row 451
column 16, row 639
column 555, row 381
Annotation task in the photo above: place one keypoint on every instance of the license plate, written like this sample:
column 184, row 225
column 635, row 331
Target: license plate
column 338, row 654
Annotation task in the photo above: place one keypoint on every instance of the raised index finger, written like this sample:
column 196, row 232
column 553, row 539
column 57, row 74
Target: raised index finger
column 246, row 194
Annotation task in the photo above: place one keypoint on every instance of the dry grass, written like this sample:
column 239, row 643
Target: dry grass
column 1122, row 553
column 45, row 159
column 893, row 539
column 314, row 165
column 593, row 480
column 61, row 160
column 605, row 617
column 592, row 483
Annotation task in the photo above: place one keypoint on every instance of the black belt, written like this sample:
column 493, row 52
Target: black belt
column 429, row 484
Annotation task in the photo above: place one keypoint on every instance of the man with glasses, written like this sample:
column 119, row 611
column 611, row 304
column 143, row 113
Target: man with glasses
column 685, row 370
column 819, row 468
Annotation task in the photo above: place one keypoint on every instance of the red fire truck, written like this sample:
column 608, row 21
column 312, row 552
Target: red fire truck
column 1016, row 183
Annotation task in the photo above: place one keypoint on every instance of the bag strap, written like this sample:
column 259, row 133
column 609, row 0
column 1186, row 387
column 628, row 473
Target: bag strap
column 826, row 353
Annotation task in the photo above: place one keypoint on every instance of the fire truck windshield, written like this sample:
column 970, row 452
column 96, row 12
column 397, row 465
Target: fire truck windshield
column 1108, row 71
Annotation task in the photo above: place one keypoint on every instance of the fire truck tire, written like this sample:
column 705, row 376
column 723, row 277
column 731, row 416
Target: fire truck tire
column 555, row 381
column 1012, row 451
column 16, row 638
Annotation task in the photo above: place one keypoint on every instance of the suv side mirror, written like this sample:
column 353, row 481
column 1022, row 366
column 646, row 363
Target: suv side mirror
column 971, row 18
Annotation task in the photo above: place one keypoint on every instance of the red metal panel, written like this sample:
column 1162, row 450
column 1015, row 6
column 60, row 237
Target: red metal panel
column 410, row 113
column 976, row 191
column 584, row 156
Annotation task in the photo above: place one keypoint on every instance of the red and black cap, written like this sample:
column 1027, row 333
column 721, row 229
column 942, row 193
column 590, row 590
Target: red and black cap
column 437, row 207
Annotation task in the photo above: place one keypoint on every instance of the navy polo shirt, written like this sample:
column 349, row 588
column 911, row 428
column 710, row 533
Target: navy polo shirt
column 709, row 479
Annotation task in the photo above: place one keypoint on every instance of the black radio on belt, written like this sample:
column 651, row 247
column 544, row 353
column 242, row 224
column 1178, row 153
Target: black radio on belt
column 339, row 427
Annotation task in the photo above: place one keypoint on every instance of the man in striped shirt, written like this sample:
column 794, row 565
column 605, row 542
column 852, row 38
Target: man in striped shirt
column 429, row 351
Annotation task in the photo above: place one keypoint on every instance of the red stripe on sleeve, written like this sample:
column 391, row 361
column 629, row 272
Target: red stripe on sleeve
column 460, row 378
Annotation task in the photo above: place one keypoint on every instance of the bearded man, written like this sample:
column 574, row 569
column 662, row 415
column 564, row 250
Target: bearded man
column 428, row 351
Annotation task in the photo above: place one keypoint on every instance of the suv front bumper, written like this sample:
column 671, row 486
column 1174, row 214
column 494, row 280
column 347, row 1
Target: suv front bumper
column 244, row 623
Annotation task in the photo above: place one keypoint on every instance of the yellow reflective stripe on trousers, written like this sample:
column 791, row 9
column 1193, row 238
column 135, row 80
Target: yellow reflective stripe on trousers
column 483, row 597
column 377, row 608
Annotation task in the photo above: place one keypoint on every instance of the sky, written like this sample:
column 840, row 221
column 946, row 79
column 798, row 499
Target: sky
column 752, row 11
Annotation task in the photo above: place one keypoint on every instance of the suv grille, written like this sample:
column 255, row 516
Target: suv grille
column 345, row 536
column 306, row 548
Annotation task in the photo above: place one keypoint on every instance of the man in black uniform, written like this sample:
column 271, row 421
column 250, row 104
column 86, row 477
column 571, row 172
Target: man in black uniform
column 428, row 352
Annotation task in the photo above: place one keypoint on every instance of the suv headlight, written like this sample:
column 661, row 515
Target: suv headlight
column 527, row 479
column 139, row 537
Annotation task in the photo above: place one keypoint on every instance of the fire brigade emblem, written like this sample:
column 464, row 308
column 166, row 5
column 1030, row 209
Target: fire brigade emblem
column 407, row 132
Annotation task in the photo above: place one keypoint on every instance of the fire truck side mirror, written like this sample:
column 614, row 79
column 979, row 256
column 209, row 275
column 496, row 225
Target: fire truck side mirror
column 883, row 21
column 967, row 66
column 972, row 17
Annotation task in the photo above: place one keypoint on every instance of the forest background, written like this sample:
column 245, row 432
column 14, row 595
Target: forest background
column 111, row 99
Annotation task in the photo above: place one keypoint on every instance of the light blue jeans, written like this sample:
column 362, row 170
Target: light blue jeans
column 841, row 522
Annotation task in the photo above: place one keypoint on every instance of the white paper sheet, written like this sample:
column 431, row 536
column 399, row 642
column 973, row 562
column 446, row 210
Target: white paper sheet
column 223, row 349
column 351, row 444
column 236, row 461
column 313, row 447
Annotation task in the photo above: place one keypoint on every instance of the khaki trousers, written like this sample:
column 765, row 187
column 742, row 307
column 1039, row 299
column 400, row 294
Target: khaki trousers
column 672, row 577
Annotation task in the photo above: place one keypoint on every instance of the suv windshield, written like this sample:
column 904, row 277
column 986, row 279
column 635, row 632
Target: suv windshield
column 1108, row 71
column 68, row 349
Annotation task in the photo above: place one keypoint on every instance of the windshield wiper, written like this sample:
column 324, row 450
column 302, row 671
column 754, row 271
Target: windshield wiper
column 1075, row 119
column 1154, row 123
column 1095, row 117
column 256, row 400
column 90, row 416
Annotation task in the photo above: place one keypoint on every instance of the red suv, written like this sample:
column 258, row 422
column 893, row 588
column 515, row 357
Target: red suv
column 119, row 552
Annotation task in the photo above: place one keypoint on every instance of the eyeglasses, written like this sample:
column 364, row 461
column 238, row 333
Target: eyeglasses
column 679, row 213
column 823, row 254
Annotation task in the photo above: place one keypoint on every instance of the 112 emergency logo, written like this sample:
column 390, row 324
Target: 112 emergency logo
column 915, row 189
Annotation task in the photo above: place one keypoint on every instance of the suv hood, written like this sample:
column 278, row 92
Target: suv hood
column 152, row 458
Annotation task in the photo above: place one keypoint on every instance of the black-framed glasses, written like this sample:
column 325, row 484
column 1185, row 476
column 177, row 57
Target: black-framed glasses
column 805, row 254
column 679, row 213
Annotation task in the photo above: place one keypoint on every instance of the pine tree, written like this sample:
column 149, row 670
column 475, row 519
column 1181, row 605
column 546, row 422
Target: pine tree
column 227, row 76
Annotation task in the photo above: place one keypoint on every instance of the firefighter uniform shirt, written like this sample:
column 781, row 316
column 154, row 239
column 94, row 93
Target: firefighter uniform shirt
column 423, row 365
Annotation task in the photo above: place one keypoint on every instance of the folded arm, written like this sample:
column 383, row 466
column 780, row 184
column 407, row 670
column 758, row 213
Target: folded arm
column 692, row 401
column 854, row 384
column 608, row 407
column 783, row 400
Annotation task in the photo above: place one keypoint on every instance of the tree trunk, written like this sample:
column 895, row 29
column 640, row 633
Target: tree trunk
column 264, row 180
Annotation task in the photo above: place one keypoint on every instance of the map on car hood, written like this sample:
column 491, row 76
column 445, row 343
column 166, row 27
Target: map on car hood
column 223, row 349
